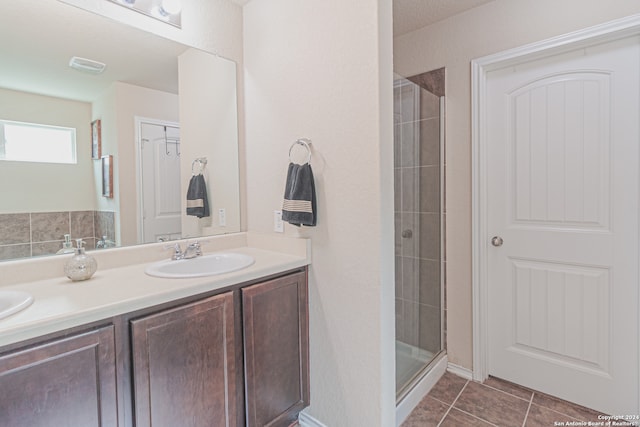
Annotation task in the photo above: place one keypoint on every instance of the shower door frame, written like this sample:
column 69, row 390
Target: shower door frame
column 415, row 383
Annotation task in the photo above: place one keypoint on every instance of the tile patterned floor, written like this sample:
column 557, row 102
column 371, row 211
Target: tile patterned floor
column 456, row 402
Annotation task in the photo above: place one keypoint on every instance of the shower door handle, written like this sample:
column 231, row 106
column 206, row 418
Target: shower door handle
column 497, row 241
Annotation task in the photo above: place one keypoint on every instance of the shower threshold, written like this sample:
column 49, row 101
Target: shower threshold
column 412, row 363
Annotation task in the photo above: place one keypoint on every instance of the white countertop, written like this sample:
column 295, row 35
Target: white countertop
column 60, row 303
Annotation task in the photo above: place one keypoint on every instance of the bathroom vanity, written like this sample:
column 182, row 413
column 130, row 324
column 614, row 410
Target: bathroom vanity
column 228, row 350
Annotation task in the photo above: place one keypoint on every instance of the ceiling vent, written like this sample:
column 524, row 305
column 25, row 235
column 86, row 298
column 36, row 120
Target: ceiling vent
column 87, row 65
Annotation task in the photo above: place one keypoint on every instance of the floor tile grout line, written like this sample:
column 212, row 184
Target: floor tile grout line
column 531, row 402
column 557, row 399
column 441, row 401
column 506, row 392
column 526, row 415
column 476, row 417
column 554, row 410
column 453, row 403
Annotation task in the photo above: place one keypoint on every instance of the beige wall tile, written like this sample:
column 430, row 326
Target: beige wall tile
column 49, row 226
column 429, row 142
column 14, row 228
column 429, row 328
column 82, row 225
column 429, row 189
column 15, row 251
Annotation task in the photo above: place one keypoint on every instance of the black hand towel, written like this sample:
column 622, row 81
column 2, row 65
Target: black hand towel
column 299, row 207
column 197, row 204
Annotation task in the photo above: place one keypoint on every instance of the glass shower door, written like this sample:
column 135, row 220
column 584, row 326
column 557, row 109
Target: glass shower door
column 418, row 219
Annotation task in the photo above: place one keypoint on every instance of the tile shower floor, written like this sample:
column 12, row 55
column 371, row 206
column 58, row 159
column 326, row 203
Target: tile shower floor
column 456, row 402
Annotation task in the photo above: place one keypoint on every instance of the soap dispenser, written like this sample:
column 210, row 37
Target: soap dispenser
column 80, row 266
column 67, row 246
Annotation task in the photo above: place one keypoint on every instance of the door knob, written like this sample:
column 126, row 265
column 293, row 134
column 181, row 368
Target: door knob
column 497, row 241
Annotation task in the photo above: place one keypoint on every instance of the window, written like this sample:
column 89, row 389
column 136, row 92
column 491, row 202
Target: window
column 30, row 142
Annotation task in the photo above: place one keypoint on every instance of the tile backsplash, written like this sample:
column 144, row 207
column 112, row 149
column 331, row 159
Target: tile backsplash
column 24, row 235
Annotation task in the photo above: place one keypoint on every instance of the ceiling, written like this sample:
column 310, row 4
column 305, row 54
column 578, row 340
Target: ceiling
column 37, row 39
column 410, row 15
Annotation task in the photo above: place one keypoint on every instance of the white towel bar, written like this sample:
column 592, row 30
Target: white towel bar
column 305, row 142
column 202, row 162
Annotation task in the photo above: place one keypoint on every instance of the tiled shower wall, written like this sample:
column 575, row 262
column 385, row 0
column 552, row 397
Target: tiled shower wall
column 24, row 235
column 417, row 215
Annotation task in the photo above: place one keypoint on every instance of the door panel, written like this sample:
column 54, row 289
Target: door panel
column 560, row 145
column 563, row 194
column 161, row 193
column 548, row 322
column 66, row 382
column 276, row 331
column 184, row 365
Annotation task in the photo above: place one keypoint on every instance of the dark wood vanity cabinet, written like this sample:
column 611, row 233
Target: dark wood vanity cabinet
column 188, row 360
column 276, row 350
column 184, row 365
column 229, row 359
column 67, row 382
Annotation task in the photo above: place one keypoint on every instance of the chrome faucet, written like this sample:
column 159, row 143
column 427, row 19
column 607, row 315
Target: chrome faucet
column 191, row 251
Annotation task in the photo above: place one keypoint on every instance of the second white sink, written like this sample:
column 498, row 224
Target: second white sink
column 13, row 301
column 206, row 265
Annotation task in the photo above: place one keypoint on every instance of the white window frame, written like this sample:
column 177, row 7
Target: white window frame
column 73, row 159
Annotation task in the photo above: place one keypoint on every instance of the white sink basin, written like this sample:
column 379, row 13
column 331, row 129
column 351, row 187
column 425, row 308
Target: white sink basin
column 205, row 265
column 13, row 301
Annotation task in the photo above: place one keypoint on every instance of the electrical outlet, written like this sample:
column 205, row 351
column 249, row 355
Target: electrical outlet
column 278, row 224
column 222, row 217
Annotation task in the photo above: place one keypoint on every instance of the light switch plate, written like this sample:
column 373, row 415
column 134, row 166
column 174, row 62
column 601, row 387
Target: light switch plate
column 278, row 224
column 222, row 217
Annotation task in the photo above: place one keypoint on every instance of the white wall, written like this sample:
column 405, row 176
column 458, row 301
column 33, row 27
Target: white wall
column 132, row 101
column 208, row 120
column 117, row 109
column 51, row 187
column 453, row 43
column 105, row 108
column 322, row 70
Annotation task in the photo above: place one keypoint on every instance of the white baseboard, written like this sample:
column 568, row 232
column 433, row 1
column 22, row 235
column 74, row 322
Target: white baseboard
column 411, row 400
column 306, row 420
column 460, row 371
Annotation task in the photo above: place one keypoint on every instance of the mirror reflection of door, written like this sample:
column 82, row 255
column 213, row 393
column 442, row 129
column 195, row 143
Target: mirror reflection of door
column 160, row 180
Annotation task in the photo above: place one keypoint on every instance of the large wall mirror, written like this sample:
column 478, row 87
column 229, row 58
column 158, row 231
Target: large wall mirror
column 158, row 114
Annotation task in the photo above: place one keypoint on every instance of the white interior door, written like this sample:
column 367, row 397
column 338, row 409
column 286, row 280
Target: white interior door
column 563, row 190
column 160, row 172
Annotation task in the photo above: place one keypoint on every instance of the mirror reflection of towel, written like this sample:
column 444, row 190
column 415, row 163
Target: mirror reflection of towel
column 197, row 203
column 299, row 207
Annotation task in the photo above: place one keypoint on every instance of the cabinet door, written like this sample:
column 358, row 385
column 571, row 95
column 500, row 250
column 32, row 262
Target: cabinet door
column 276, row 341
column 184, row 365
column 68, row 382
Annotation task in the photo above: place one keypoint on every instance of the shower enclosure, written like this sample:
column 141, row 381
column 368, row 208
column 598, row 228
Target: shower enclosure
column 419, row 219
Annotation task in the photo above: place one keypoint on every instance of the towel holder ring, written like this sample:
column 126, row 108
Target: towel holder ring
column 305, row 142
column 202, row 161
